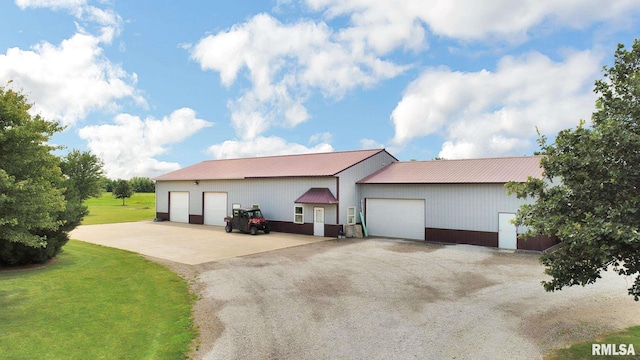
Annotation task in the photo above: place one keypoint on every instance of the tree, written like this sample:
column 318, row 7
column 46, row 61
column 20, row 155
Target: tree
column 122, row 190
column 32, row 199
column 590, row 194
column 142, row 185
column 108, row 184
column 84, row 173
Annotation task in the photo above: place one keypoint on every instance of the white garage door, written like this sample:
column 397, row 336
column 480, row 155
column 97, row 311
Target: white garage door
column 179, row 206
column 400, row 218
column 215, row 208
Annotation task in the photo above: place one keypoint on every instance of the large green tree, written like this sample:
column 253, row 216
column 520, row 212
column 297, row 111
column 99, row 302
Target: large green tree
column 83, row 171
column 31, row 198
column 590, row 194
column 122, row 189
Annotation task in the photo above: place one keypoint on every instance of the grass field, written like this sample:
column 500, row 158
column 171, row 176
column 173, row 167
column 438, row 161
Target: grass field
column 583, row 350
column 95, row 303
column 107, row 209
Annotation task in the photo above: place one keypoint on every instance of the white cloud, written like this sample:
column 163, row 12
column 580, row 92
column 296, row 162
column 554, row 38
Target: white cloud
column 370, row 144
column 263, row 146
column 380, row 26
column 284, row 63
column 74, row 6
column 384, row 25
column 80, row 9
column 495, row 113
column 287, row 63
column 324, row 137
column 129, row 146
column 68, row 81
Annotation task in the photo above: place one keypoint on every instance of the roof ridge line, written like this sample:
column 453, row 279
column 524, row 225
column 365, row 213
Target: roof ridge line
column 301, row 154
column 467, row 159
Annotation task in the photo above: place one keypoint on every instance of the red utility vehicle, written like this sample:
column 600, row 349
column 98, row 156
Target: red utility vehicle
column 247, row 220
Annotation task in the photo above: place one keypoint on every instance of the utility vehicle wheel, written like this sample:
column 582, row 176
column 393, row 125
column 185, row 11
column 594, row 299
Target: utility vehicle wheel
column 266, row 231
column 228, row 228
column 254, row 230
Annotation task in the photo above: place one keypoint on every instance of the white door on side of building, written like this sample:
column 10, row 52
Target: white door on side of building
column 179, row 206
column 318, row 221
column 215, row 208
column 507, row 232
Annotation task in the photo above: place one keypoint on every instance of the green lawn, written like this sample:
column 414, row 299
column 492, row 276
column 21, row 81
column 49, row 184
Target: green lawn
column 95, row 303
column 583, row 350
column 107, row 209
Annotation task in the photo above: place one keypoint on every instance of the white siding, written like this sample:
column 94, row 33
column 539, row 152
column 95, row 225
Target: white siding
column 276, row 196
column 453, row 206
column 349, row 191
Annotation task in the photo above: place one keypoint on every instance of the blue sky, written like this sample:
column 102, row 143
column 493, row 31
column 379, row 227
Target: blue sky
column 152, row 86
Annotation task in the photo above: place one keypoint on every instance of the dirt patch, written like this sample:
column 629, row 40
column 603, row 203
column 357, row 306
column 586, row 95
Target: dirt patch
column 565, row 325
column 423, row 292
column 470, row 282
column 324, row 286
column 320, row 291
column 188, row 272
column 303, row 253
column 414, row 246
column 511, row 258
column 210, row 327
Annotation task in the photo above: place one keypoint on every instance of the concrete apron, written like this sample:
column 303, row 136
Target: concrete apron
column 186, row 243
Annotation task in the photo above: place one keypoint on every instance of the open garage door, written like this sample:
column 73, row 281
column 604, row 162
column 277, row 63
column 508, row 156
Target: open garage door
column 215, row 208
column 179, row 206
column 400, row 218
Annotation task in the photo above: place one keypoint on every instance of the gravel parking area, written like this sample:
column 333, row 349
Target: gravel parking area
column 391, row 299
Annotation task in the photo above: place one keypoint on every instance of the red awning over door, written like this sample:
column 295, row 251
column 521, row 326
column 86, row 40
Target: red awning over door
column 317, row 196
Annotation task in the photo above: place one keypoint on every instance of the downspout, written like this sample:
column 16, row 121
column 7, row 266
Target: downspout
column 338, row 198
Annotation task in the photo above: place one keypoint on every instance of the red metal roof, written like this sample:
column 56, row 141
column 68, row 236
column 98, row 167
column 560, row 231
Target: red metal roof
column 316, row 164
column 317, row 196
column 488, row 170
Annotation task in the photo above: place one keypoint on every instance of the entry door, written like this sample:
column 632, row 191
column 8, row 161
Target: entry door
column 507, row 232
column 318, row 221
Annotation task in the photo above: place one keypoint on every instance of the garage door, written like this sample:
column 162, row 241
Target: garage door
column 179, row 206
column 215, row 208
column 400, row 218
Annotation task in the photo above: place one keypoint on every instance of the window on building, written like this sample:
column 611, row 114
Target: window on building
column 236, row 206
column 351, row 215
column 255, row 206
column 298, row 214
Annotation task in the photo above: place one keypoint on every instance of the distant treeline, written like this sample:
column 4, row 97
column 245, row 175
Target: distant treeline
column 139, row 184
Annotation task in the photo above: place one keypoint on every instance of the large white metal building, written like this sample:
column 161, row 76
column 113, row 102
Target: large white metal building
column 312, row 194
column 455, row 201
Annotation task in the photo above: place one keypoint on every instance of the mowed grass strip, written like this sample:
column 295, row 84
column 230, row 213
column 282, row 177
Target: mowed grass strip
column 95, row 303
column 583, row 350
column 108, row 210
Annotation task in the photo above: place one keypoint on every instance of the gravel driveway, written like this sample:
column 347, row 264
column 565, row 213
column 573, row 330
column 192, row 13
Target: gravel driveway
column 388, row 299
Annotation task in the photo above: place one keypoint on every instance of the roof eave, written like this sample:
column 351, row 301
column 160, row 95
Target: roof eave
column 436, row 182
